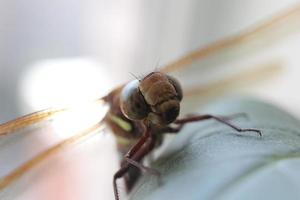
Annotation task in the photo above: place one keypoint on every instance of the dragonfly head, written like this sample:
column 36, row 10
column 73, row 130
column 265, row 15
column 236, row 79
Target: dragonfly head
column 155, row 98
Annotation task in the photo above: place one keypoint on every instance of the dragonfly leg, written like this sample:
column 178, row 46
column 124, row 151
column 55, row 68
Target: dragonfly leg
column 133, row 173
column 139, row 144
column 170, row 129
column 143, row 150
column 118, row 175
column 127, row 163
column 222, row 120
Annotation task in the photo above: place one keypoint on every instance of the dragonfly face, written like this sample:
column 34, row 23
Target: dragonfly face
column 155, row 98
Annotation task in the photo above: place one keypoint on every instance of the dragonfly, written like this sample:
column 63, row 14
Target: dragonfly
column 119, row 117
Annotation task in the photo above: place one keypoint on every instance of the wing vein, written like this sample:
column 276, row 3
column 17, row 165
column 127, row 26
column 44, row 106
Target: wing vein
column 276, row 22
column 24, row 168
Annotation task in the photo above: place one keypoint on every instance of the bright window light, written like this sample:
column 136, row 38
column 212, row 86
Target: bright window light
column 63, row 82
column 74, row 83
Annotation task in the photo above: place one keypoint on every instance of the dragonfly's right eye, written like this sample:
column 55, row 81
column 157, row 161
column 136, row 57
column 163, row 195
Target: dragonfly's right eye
column 133, row 104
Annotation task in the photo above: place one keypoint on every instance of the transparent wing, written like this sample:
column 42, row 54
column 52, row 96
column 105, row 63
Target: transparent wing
column 39, row 138
column 28, row 165
column 27, row 120
column 235, row 55
column 39, row 116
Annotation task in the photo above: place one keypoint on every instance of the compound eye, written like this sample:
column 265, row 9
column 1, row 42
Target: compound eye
column 176, row 85
column 133, row 104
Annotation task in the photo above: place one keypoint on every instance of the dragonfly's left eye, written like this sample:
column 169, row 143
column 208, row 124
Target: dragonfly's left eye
column 133, row 104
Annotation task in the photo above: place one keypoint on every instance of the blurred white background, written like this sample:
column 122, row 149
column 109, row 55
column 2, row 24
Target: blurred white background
column 59, row 51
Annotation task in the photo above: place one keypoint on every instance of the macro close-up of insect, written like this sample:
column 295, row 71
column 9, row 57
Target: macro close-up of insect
column 141, row 112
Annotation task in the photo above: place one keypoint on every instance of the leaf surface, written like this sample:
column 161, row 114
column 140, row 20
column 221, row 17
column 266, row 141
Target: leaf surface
column 208, row 160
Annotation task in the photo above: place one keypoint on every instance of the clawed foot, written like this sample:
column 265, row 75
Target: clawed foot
column 251, row 130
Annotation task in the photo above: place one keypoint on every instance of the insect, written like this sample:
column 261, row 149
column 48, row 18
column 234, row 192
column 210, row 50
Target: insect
column 142, row 110
column 140, row 114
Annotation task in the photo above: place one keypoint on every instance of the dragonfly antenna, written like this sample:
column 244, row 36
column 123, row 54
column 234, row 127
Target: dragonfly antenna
column 157, row 65
column 132, row 74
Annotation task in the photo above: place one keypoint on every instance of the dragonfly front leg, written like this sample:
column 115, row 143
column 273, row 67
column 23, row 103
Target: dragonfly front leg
column 196, row 117
column 145, row 149
column 132, row 173
column 222, row 120
column 132, row 158
column 138, row 145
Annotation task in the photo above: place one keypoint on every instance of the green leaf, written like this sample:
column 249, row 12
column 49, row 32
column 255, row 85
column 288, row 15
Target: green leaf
column 210, row 161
